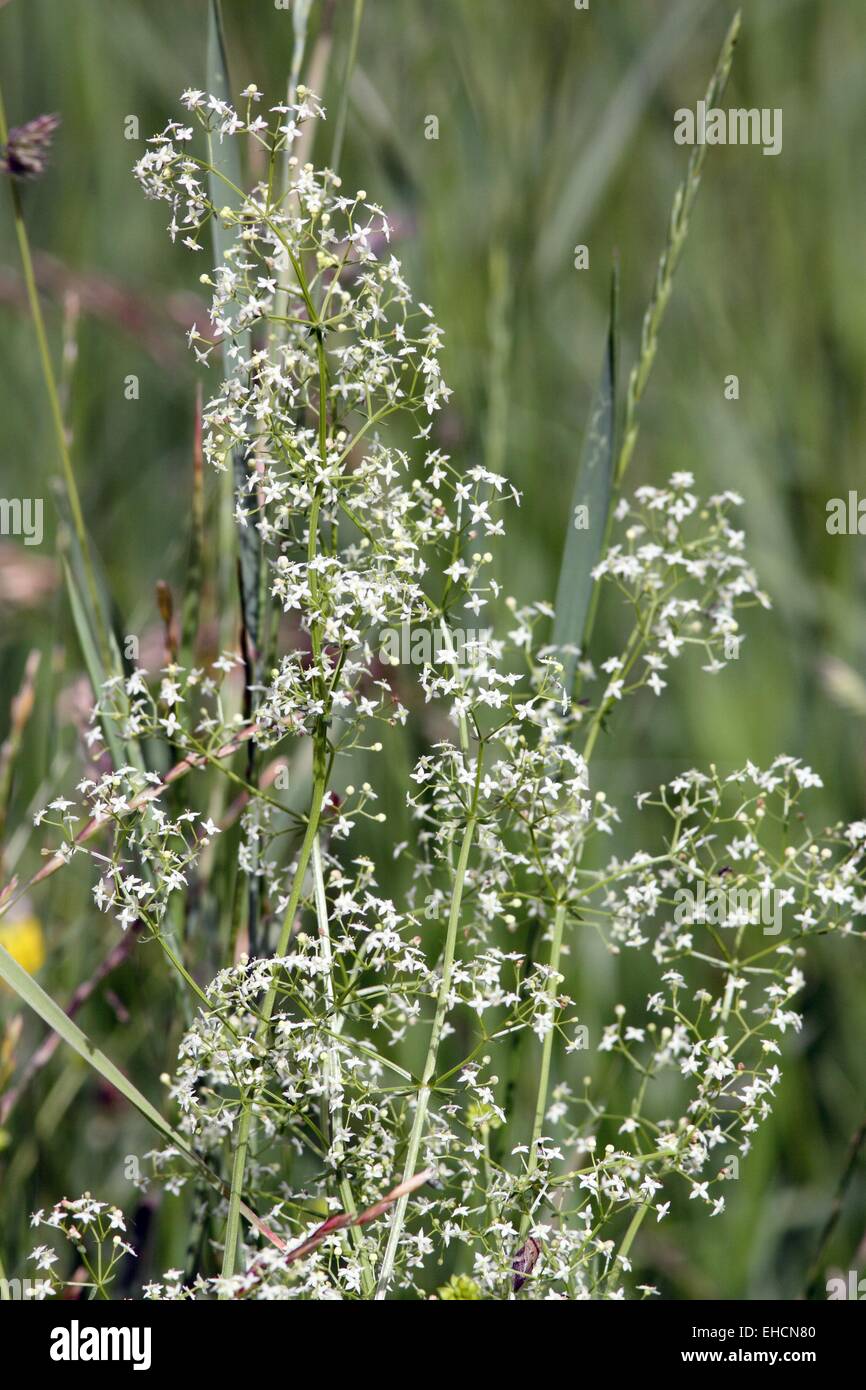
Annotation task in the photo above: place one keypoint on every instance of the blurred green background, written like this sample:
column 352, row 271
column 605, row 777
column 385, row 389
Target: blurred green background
column 555, row 129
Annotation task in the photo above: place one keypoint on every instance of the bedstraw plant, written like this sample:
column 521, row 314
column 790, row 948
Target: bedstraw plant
column 314, row 1161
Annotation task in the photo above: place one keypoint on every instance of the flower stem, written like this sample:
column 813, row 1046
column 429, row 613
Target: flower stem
column 628, row 1239
column 242, row 1145
column 233, row 1220
column 333, row 1108
column 399, row 1216
column 546, row 1052
column 54, row 401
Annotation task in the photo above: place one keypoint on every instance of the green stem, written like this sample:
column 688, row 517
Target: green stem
column 399, row 1216
column 333, row 1081
column 628, row 1239
column 54, row 398
column 546, row 1053
column 233, row 1220
column 242, row 1144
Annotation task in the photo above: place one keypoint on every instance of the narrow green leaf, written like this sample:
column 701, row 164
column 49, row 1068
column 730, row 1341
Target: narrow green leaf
column 590, row 506
column 32, row 994
column 90, row 604
column 92, row 658
column 51, row 1013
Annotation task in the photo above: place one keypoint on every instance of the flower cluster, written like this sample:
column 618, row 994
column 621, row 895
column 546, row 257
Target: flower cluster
column 95, row 1231
column 681, row 568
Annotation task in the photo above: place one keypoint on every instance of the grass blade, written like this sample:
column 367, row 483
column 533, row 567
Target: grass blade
column 593, row 488
column 32, row 994
column 36, row 998
column 92, row 659
column 499, row 334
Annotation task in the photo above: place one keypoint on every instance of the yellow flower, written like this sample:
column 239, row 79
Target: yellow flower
column 24, row 941
column 460, row 1288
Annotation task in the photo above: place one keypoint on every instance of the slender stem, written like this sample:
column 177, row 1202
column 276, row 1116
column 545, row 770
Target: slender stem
column 399, row 1215
column 333, row 1107
column 54, row 398
column 233, row 1220
column 813, row 1278
column 729, row 993
column 242, row 1144
column 635, row 644
column 419, row 1121
column 628, row 1239
column 554, row 959
column 546, row 1053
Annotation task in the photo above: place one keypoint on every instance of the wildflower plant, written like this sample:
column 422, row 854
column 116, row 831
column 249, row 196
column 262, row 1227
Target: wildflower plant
column 291, row 1088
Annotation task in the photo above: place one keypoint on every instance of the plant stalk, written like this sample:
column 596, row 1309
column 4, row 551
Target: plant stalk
column 398, row 1219
column 242, row 1145
column 546, row 1053
column 70, row 485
